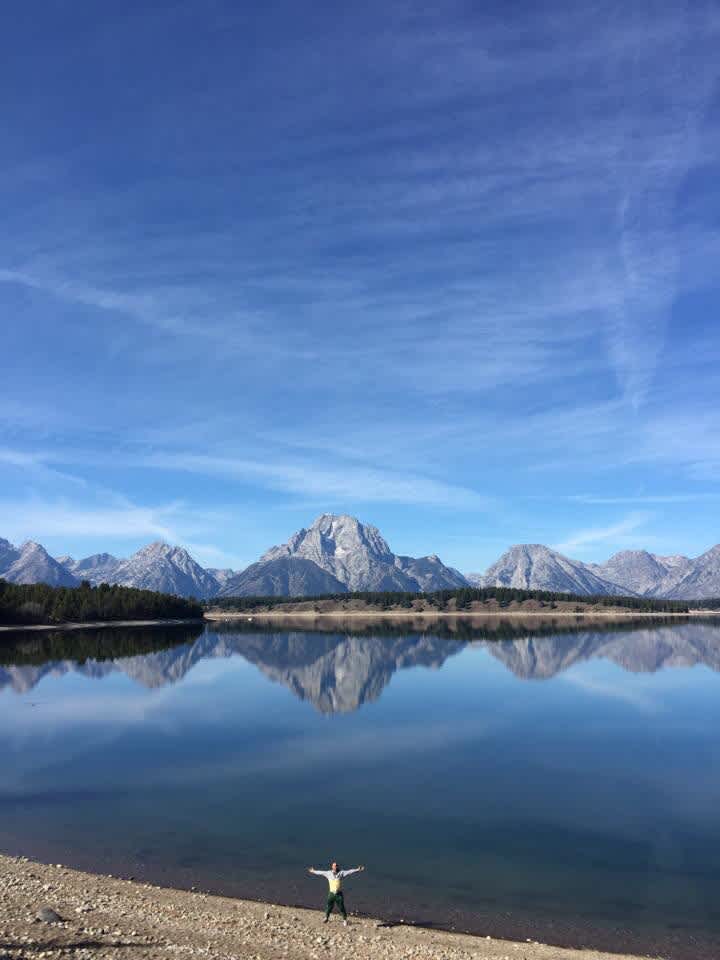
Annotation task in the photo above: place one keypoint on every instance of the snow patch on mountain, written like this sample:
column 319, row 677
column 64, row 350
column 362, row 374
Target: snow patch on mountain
column 357, row 555
column 166, row 569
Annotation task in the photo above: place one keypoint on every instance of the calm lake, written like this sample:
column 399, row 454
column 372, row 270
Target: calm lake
column 557, row 785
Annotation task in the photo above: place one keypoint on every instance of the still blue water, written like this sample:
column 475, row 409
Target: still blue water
column 562, row 787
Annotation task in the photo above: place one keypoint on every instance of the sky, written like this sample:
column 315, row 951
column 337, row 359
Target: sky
column 450, row 268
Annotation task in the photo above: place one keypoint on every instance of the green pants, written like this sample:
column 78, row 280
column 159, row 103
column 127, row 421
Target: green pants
column 336, row 900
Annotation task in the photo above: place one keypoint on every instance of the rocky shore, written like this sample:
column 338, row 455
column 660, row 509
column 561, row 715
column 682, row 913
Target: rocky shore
column 54, row 912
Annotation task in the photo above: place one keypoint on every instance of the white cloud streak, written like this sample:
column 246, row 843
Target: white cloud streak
column 351, row 482
column 593, row 536
column 35, row 519
column 646, row 499
column 346, row 481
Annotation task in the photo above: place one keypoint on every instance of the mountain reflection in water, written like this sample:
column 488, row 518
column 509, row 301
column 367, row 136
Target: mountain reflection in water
column 339, row 672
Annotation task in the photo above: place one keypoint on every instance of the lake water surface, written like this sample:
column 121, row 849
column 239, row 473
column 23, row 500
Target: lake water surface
column 561, row 786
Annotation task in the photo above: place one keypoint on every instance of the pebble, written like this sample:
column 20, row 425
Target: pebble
column 48, row 915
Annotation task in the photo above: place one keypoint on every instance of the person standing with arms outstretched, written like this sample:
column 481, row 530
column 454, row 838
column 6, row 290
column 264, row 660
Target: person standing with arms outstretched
column 334, row 877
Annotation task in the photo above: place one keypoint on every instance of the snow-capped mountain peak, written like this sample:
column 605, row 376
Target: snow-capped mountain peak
column 358, row 556
column 167, row 569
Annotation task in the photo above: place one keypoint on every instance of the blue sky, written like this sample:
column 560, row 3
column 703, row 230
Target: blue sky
column 451, row 268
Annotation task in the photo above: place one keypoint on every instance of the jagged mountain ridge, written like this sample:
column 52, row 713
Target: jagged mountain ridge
column 636, row 570
column 31, row 563
column 97, row 568
column 533, row 566
column 222, row 574
column 166, row 569
column 644, row 573
column 702, row 579
column 158, row 566
column 356, row 554
column 629, row 572
column 8, row 554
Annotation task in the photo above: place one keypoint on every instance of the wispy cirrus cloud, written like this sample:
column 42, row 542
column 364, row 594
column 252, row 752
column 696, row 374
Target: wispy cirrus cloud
column 176, row 308
column 33, row 518
column 614, row 533
column 347, row 480
column 121, row 520
column 35, row 467
column 645, row 499
column 350, row 482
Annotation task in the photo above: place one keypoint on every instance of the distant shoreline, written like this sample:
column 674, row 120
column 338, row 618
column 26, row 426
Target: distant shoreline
column 454, row 615
column 94, row 625
column 218, row 616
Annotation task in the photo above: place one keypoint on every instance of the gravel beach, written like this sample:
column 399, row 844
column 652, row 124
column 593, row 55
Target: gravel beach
column 53, row 911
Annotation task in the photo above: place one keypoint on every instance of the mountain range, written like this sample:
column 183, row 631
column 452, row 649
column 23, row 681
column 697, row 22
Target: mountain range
column 31, row 563
column 532, row 566
column 339, row 554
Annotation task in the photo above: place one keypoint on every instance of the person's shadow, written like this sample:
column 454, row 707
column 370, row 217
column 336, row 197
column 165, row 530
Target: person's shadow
column 423, row 924
column 57, row 943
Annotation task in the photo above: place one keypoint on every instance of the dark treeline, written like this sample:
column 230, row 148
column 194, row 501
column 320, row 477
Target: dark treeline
column 33, row 649
column 38, row 603
column 462, row 597
column 709, row 604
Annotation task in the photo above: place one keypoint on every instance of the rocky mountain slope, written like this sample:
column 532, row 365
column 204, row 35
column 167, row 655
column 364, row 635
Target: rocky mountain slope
column 222, row 574
column 532, row 566
column 678, row 567
column 431, row 573
column 31, row 563
column 282, row 577
column 8, row 554
column 356, row 554
column 634, row 570
column 166, row 569
column 158, row 566
column 630, row 572
column 97, row 568
column 702, row 579
column 646, row 574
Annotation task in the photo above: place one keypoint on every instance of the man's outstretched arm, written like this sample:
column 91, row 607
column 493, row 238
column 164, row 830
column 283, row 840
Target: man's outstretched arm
column 319, row 873
column 346, row 873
